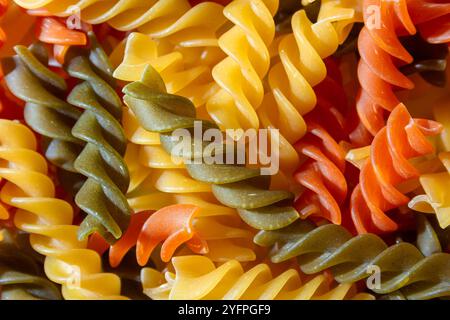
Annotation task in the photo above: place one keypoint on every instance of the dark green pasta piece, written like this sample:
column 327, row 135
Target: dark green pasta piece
column 233, row 185
column 403, row 267
column 46, row 111
column 21, row 275
column 430, row 60
column 102, row 196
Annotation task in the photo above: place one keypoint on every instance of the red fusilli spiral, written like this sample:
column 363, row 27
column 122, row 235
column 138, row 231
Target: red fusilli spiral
column 401, row 139
column 322, row 174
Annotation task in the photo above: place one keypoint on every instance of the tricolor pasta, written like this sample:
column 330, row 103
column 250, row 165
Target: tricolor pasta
column 226, row 149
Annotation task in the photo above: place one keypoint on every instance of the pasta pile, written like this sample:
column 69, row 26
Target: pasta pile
column 99, row 201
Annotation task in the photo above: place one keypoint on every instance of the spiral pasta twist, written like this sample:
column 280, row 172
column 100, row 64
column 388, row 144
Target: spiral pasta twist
column 193, row 82
column 234, row 186
column 238, row 75
column 322, row 174
column 20, row 277
column 291, row 80
column 402, row 266
column 45, row 112
column 49, row 220
column 172, row 225
column 157, row 182
column 435, row 200
column 102, row 195
column 430, row 237
column 379, row 45
column 171, row 20
column 196, row 277
column 220, row 227
column 388, row 166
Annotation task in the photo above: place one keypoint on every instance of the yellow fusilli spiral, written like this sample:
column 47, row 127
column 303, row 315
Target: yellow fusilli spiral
column 174, row 21
column 299, row 69
column 240, row 74
column 156, row 182
column 49, row 220
column 196, row 277
column 437, row 197
column 181, row 71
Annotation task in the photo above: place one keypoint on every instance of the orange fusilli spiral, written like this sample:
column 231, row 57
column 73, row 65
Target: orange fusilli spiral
column 403, row 138
column 172, row 226
column 380, row 51
column 322, row 175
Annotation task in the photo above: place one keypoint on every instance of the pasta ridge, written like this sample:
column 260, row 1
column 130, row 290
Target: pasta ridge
column 322, row 173
column 20, row 278
column 174, row 21
column 238, row 75
column 387, row 167
column 379, row 46
column 299, row 69
column 196, row 277
column 234, row 186
column 102, row 195
column 402, row 266
column 49, row 220
column 46, row 110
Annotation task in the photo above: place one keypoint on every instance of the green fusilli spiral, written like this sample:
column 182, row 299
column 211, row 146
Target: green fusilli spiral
column 46, row 110
column 102, row 196
column 233, row 185
column 20, row 274
column 404, row 269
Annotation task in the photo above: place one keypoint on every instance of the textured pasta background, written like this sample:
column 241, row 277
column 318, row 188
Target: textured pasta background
column 100, row 201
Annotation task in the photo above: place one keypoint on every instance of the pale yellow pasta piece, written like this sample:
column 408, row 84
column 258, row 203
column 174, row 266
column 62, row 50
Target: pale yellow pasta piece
column 196, row 277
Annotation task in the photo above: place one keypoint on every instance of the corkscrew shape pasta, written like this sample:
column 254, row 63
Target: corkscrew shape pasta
column 46, row 110
column 388, row 166
column 435, row 198
column 49, row 220
column 234, row 186
column 322, row 174
column 102, row 195
column 291, row 80
column 171, row 20
column 379, row 46
column 193, row 82
column 20, row 274
column 226, row 236
column 157, row 182
column 171, row 225
column 196, row 277
column 403, row 267
column 240, row 74
column 430, row 237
